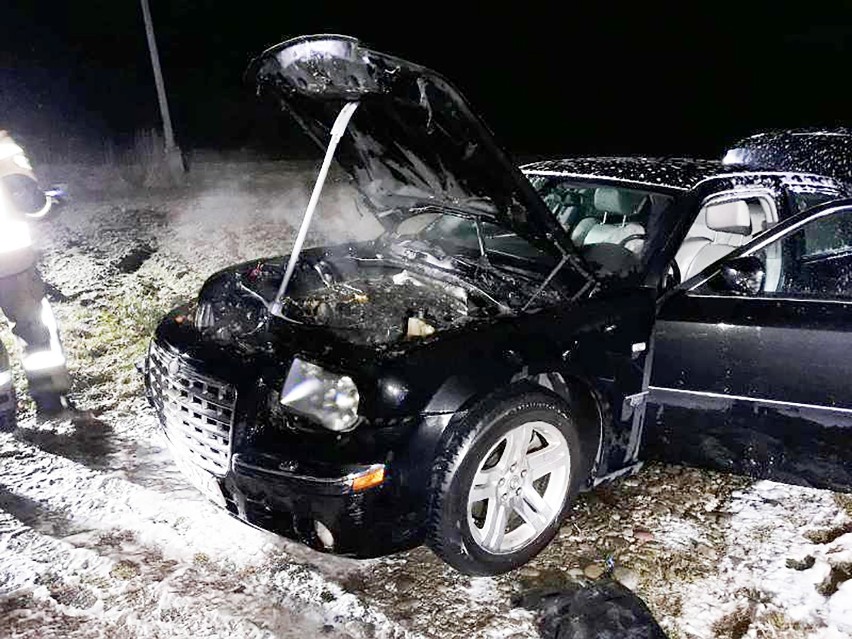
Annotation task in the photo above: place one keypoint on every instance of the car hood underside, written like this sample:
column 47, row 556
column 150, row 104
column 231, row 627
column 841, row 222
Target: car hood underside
column 413, row 141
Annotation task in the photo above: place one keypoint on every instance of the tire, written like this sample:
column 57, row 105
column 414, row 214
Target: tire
column 465, row 531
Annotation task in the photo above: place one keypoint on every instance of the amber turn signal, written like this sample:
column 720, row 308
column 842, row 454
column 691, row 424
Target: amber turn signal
column 372, row 477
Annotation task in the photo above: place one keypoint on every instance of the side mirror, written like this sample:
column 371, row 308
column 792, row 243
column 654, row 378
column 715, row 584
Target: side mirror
column 744, row 275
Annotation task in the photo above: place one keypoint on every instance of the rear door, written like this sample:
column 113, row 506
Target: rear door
column 762, row 383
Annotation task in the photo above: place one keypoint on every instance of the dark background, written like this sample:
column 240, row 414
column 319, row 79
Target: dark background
column 584, row 78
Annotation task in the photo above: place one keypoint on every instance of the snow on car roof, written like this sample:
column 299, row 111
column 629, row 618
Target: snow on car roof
column 668, row 173
column 839, row 131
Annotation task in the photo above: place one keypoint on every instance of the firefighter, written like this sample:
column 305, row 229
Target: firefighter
column 22, row 294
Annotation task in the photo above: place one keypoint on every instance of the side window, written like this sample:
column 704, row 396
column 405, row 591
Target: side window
column 814, row 261
column 827, row 236
column 805, row 199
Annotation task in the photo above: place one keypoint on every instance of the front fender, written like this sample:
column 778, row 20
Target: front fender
column 453, row 399
column 457, row 391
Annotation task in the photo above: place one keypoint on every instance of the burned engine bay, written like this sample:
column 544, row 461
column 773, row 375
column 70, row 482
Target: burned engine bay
column 365, row 300
column 385, row 309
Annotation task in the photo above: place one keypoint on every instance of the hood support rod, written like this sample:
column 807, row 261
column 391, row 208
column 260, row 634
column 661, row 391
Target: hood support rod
column 337, row 131
column 545, row 282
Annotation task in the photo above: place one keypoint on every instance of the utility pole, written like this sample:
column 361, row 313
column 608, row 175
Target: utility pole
column 174, row 158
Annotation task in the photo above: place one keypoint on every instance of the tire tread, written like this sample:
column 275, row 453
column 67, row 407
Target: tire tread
column 460, row 437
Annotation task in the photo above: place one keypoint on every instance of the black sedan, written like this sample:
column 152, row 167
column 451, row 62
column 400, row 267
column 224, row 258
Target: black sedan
column 511, row 339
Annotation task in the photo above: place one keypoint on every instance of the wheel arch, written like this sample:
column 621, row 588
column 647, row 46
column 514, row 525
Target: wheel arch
column 590, row 409
column 447, row 529
column 582, row 399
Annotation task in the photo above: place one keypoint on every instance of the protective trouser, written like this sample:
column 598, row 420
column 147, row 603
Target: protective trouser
column 24, row 304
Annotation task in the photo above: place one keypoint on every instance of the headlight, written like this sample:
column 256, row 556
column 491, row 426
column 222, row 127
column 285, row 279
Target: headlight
column 330, row 398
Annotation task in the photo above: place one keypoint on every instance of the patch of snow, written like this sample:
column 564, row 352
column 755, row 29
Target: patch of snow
column 517, row 623
column 768, row 527
column 482, row 588
column 839, row 613
column 307, row 585
column 678, row 534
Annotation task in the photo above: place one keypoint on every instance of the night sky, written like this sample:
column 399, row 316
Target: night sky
column 606, row 78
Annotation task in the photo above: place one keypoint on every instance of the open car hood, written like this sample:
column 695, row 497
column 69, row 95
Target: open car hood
column 413, row 141
column 825, row 152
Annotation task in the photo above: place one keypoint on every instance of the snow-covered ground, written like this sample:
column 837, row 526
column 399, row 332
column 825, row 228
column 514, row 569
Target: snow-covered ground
column 100, row 535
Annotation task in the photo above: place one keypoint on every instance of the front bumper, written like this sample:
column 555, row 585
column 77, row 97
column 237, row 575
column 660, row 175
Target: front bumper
column 321, row 512
column 211, row 425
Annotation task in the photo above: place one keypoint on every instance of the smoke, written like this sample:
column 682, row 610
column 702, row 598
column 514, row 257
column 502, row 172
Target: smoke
column 239, row 212
column 227, row 211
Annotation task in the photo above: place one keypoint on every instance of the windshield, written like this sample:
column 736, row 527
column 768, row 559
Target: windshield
column 529, row 275
column 614, row 228
column 459, row 235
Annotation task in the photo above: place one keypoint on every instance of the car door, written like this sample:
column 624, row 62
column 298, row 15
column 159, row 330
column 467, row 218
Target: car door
column 750, row 366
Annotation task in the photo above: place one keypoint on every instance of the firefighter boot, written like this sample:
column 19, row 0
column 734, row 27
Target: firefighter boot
column 23, row 301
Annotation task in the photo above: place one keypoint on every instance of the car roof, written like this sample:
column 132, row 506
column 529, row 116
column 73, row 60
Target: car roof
column 666, row 173
column 822, row 151
column 839, row 131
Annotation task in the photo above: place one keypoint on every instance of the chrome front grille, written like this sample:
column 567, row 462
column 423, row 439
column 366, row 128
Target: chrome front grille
column 197, row 411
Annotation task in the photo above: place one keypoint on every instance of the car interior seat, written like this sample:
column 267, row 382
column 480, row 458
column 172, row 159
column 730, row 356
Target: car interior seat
column 729, row 223
column 569, row 208
column 759, row 216
column 581, row 230
column 616, row 208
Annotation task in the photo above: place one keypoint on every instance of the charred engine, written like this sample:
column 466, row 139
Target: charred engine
column 367, row 301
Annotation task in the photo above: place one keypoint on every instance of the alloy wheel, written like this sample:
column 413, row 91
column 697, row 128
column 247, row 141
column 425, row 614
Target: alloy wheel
column 519, row 487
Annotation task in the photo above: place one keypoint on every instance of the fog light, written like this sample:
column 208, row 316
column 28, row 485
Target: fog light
column 324, row 534
column 373, row 476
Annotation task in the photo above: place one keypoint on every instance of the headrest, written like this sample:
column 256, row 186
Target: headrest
column 610, row 200
column 729, row 217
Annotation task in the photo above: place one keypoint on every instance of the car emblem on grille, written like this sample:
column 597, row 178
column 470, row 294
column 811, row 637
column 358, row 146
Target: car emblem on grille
column 174, row 367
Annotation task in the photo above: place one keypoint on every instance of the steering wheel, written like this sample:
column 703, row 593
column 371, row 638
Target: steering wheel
column 608, row 258
column 630, row 238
